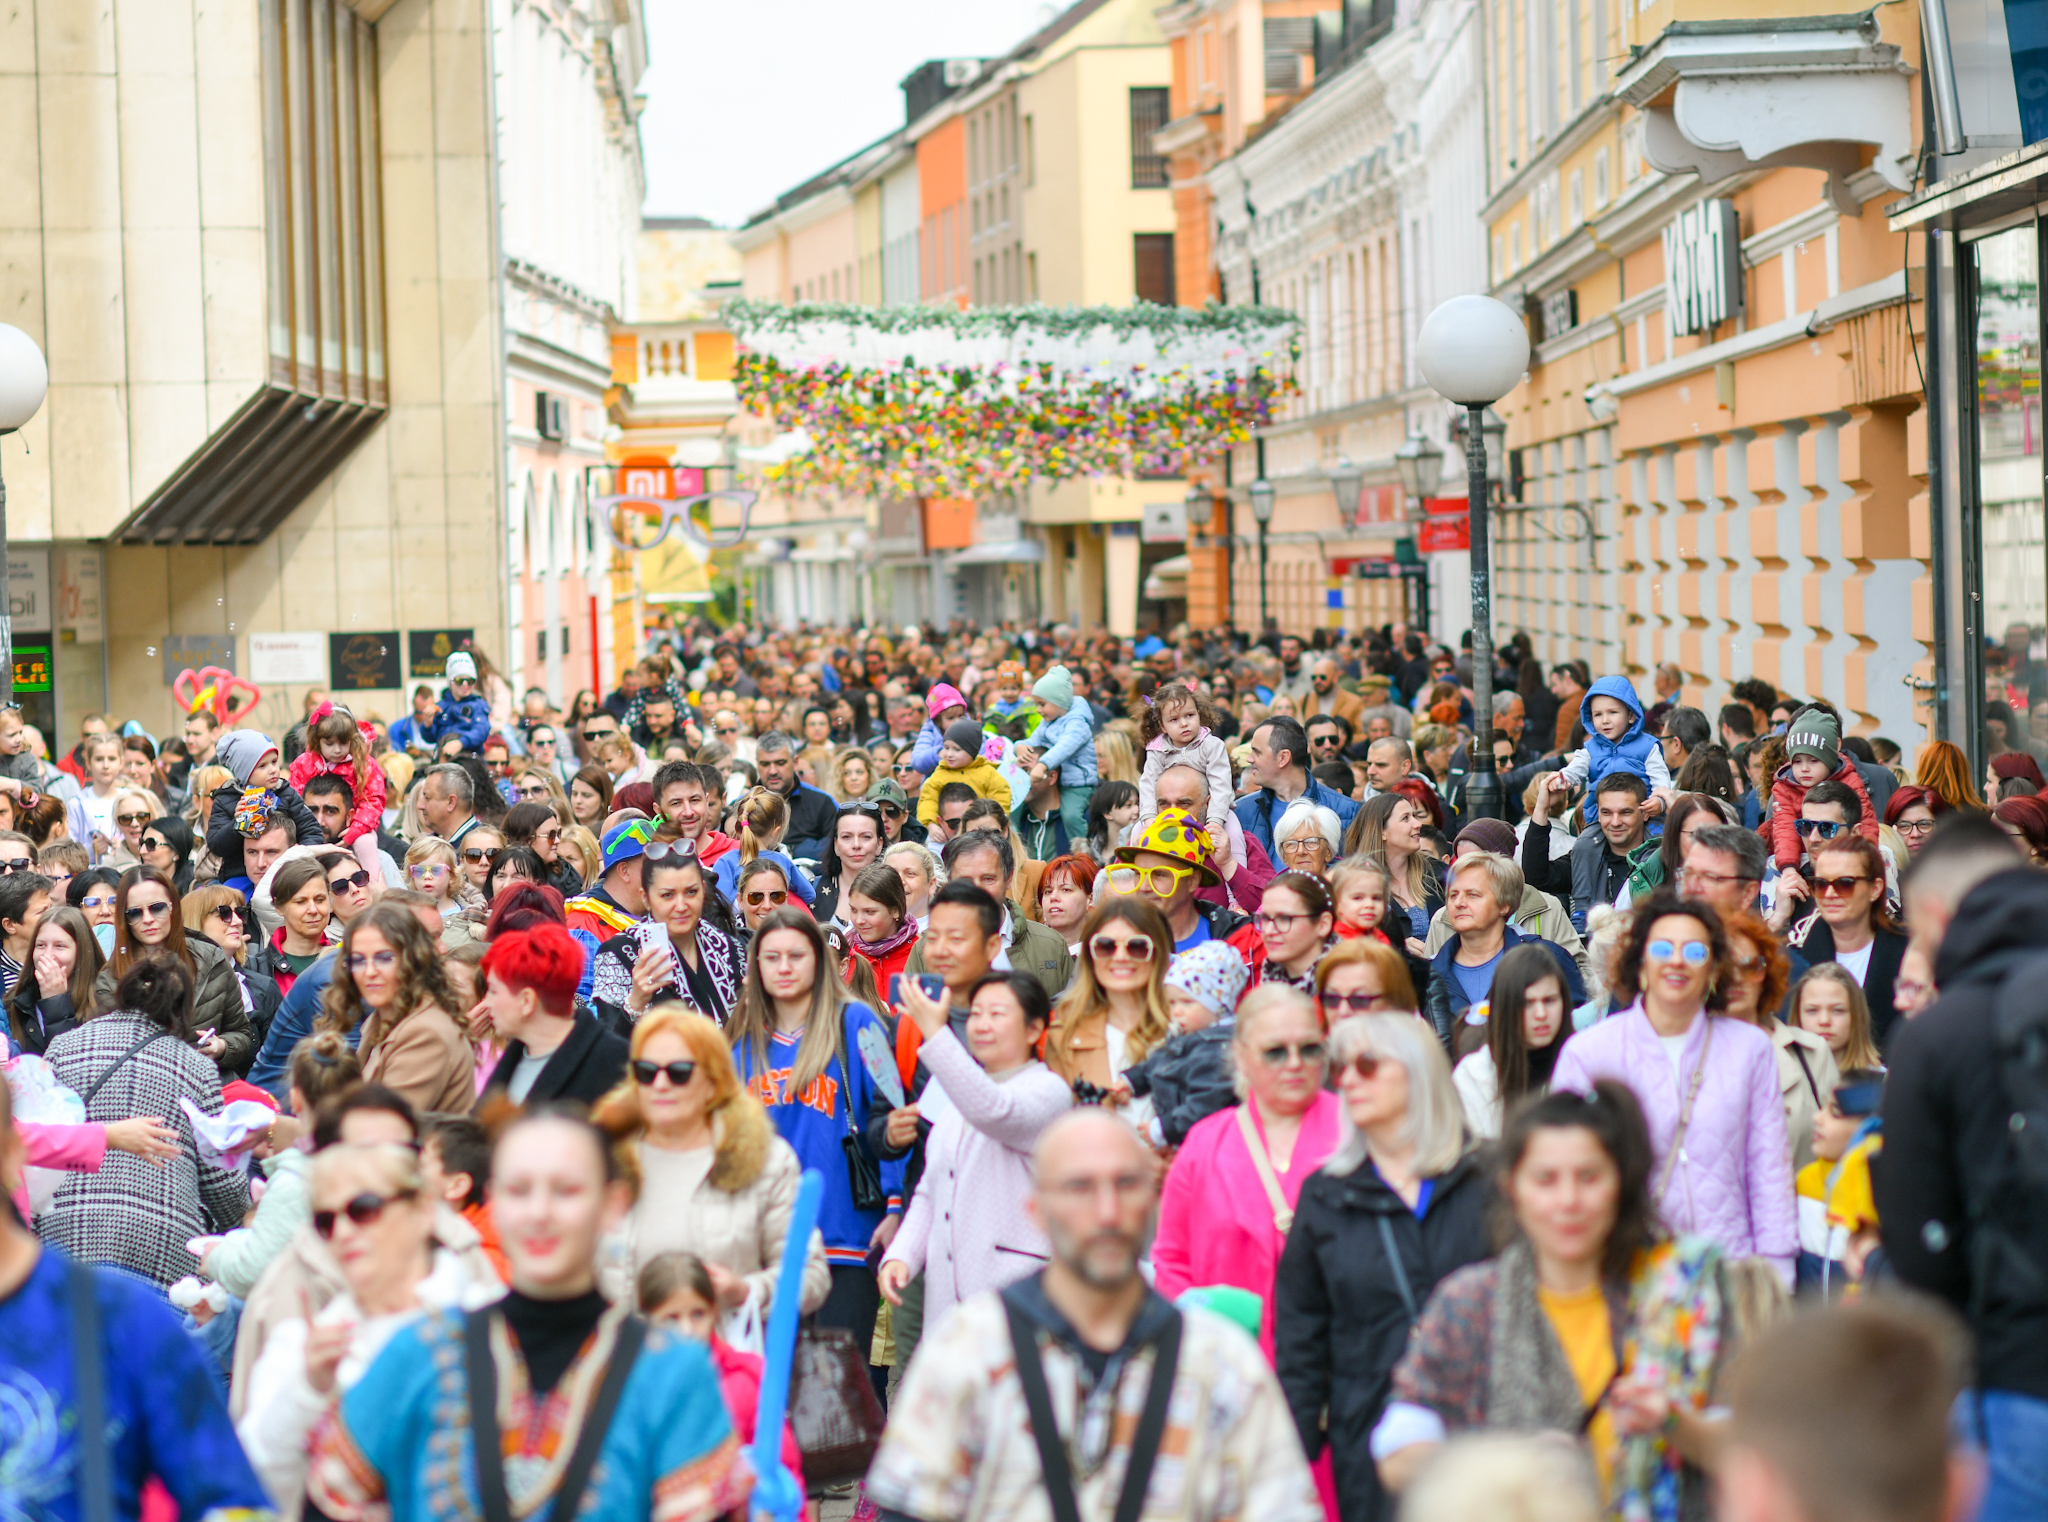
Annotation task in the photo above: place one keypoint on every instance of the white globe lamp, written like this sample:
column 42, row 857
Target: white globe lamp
column 24, row 378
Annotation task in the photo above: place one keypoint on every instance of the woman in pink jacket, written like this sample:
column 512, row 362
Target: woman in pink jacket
column 1219, row 1223
column 1708, row 1084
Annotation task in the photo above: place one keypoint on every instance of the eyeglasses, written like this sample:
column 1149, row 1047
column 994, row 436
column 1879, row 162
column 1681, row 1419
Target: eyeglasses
column 1695, row 875
column 1103, row 947
column 725, row 729
column 532, row 793
column 475, row 854
column 1304, row 845
column 1841, row 887
column 427, row 871
column 1915, row 826
column 1160, row 882
column 364, row 1210
column 1353, row 1004
column 227, row 914
column 363, row 961
column 1277, row 924
column 1309, row 1052
column 134, row 818
column 679, row 1073
column 158, row 910
column 1826, row 829
column 347, row 882
column 499, row 766
column 12, row 864
column 759, row 896
column 1692, row 953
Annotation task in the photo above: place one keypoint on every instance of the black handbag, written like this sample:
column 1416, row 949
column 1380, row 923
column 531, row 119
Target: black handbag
column 832, row 1406
column 863, row 1173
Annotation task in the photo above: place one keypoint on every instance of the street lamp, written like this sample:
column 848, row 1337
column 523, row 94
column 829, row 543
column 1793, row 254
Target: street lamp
column 1196, row 505
column 1473, row 350
column 24, row 380
column 1420, row 463
column 1261, row 493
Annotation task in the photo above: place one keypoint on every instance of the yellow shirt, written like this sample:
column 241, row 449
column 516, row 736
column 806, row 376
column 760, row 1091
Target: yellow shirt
column 1582, row 1328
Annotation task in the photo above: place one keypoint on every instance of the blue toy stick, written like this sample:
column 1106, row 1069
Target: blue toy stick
column 776, row 1493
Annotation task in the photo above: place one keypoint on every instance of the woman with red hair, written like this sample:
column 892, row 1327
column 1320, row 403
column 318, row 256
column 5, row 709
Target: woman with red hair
column 2016, row 766
column 2026, row 821
column 1913, row 811
column 529, row 1000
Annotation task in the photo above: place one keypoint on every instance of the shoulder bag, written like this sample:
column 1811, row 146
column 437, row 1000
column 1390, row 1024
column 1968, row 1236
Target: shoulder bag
column 114, row 1066
column 1283, row 1214
column 1692, row 1092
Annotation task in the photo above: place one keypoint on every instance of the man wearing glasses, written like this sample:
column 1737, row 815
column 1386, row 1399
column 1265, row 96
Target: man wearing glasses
column 1168, row 861
column 462, row 711
column 599, row 728
column 727, row 729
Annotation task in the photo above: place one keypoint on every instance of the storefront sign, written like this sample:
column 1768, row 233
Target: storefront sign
column 364, row 662
column 31, row 668
column 427, row 650
column 28, row 588
column 285, row 659
column 80, row 619
column 195, row 652
column 1165, row 521
column 1702, row 267
column 1446, row 525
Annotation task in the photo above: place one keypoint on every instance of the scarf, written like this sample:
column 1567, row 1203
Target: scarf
column 874, row 951
column 715, row 950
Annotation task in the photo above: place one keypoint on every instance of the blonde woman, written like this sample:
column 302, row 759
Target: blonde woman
column 580, row 849
column 1116, row 754
column 1115, row 1011
column 431, row 868
column 398, row 768
column 134, row 808
column 1390, row 827
column 922, row 875
column 763, row 819
column 853, row 775
column 715, row 1179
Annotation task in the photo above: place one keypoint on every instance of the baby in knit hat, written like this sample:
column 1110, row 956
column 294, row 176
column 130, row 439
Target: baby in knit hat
column 244, row 809
column 1189, row 1077
column 961, row 760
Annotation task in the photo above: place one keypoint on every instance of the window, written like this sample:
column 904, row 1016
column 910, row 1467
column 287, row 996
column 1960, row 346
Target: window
column 1601, row 193
column 1152, row 268
column 1148, row 115
column 1030, row 154
column 1575, row 199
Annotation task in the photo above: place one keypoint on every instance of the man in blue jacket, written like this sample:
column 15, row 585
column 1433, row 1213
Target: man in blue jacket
column 462, row 711
column 1279, row 765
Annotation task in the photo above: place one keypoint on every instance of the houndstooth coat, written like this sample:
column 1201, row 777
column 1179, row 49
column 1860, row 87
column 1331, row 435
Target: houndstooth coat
column 133, row 1213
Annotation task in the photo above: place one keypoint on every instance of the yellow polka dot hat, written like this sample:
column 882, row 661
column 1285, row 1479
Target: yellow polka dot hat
column 1173, row 833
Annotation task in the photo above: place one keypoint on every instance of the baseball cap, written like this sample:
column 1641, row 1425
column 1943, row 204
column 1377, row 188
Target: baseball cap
column 623, row 842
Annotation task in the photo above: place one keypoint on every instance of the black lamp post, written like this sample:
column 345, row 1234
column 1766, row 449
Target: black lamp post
column 1473, row 350
column 1261, row 494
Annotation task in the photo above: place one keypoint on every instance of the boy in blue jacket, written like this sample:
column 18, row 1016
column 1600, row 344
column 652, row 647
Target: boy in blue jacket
column 1615, row 742
column 463, row 711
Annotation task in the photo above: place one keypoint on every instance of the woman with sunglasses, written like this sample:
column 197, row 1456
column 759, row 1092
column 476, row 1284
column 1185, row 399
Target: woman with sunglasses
column 1400, row 1203
column 389, row 985
column 1362, row 976
column 371, row 1208
column 1708, row 1084
column 855, row 846
column 1225, row 1208
column 763, row 887
column 147, row 927
column 214, row 912
column 137, row 1213
column 678, row 953
column 479, row 849
column 134, row 809
column 1851, row 925
column 715, row 1178
column 166, row 844
column 535, row 827
column 1115, row 1012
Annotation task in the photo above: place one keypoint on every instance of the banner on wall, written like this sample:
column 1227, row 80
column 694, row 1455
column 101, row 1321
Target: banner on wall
column 363, row 662
column 288, row 659
column 427, row 651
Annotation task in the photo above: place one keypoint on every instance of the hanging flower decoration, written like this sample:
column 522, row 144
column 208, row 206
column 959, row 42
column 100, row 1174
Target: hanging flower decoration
column 934, row 401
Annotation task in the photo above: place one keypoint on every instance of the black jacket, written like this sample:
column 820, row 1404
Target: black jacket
column 1947, row 1143
column 1336, row 1290
column 584, row 1068
column 226, row 842
column 812, row 816
column 1814, row 940
column 1190, row 1078
column 1444, row 1002
column 264, row 998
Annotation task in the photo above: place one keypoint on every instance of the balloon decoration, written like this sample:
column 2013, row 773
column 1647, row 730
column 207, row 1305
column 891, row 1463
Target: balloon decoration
column 216, row 690
column 934, row 401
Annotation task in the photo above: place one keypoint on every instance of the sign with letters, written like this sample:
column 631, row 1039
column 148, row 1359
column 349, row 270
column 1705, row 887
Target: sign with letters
column 1702, row 267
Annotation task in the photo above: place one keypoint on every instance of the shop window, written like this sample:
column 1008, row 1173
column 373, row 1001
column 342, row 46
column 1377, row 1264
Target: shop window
column 2008, row 425
column 1148, row 115
column 1152, row 268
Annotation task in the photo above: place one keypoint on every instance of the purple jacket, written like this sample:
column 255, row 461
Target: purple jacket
column 1733, row 1181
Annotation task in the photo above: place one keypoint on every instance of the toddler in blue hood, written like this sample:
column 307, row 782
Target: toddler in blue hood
column 1615, row 742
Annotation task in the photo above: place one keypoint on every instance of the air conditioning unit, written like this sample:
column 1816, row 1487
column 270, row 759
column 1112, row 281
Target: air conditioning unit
column 550, row 416
column 961, row 72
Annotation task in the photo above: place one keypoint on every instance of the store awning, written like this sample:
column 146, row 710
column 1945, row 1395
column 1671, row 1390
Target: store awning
column 999, row 554
column 1169, row 579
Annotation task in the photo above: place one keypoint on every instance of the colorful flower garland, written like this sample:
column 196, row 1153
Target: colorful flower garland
column 932, row 401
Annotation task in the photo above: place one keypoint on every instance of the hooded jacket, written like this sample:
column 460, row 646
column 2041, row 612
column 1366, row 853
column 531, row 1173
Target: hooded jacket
column 1947, row 1143
column 1786, row 798
column 468, row 717
column 1633, row 752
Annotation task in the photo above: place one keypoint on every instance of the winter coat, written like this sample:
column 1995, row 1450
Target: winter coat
column 1066, row 746
column 588, row 1065
column 426, row 1056
column 469, row 717
column 1732, row 1183
column 1814, row 939
column 368, row 812
column 980, row 775
column 1635, row 751
column 1338, row 1288
column 967, row 1229
column 1786, row 798
column 812, row 815
column 1538, row 914
column 1445, row 1003
column 1188, row 1079
column 216, row 1003
column 226, row 842
column 889, row 964
column 1945, row 1180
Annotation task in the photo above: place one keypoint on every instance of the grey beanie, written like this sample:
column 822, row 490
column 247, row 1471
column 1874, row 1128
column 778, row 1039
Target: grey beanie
column 966, row 734
column 241, row 749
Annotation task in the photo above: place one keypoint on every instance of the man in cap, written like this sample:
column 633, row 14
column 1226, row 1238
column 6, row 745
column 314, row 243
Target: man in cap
column 1168, row 860
column 462, row 710
column 618, row 902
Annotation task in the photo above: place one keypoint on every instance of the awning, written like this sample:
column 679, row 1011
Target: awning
column 1169, row 579
column 999, row 554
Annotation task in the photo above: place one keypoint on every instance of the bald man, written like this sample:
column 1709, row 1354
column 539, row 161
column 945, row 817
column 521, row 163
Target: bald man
column 1095, row 1195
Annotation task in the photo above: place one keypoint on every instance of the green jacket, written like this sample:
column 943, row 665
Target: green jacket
column 287, row 1204
column 1034, row 948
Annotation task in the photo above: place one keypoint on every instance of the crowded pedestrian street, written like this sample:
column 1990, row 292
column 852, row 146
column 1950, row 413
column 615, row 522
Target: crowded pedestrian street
column 1097, row 761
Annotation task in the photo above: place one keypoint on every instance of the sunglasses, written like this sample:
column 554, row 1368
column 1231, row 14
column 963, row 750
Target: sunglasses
column 360, row 879
column 227, row 914
column 679, row 1073
column 1310, row 1052
column 362, row 961
column 364, row 1210
column 531, row 794
column 679, row 850
column 1692, row 953
column 426, row 871
column 592, row 736
column 134, row 818
column 147, row 912
column 759, row 896
column 14, row 864
column 1353, row 1004
column 97, row 901
column 1826, row 829
column 1367, row 1065
column 725, row 729
column 1104, row 947
column 475, row 854
column 499, row 766
column 1841, row 887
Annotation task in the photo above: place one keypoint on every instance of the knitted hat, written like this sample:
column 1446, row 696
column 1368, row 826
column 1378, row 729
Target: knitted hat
column 942, row 697
column 240, row 750
column 1488, row 835
column 1055, row 687
column 966, row 734
column 1212, row 974
column 1815, row 734
column 461, row 667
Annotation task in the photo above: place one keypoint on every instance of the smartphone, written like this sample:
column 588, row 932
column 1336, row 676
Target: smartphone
column 933, row 985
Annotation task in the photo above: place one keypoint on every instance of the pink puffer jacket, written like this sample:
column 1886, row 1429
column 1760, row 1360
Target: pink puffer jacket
column 1733, row 1181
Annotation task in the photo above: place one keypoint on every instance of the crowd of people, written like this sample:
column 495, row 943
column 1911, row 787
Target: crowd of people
column 1190, row 1070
